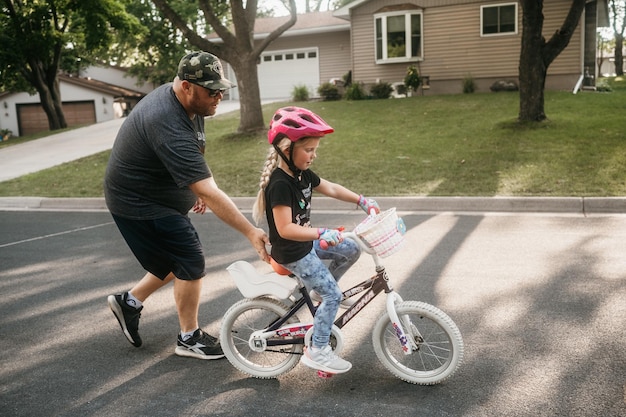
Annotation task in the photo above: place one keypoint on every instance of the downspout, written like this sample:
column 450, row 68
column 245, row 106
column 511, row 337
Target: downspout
column 578, row 83
column 581, row 24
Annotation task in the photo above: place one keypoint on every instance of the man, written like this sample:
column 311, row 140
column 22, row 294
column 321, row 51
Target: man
column 155, row 175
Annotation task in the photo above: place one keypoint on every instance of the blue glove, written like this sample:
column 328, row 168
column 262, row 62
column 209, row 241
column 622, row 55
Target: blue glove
column 329, row 236
column 368, row 204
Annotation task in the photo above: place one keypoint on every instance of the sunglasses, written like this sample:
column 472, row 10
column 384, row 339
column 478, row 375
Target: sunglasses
column 214, row 93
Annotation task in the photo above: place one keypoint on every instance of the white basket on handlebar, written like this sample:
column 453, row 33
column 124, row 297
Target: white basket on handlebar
column 383, row 232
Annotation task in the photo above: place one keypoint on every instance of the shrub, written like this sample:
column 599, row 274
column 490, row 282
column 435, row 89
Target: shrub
column 469, row 85
column 412, row 78
column 356, row 92
column 300, row 93
column 503, row 85
column 5, row 134
column 603, row 86
column 381, row 90
column 328, row 92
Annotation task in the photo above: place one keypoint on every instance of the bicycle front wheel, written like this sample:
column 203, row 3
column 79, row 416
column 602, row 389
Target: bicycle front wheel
column 246, row 317
column 438, row 344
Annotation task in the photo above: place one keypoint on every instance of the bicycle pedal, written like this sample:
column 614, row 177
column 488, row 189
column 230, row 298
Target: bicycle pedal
column 324, row 374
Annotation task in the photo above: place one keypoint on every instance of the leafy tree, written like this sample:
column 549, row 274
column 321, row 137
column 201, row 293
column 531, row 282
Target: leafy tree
column 536, row 55
column 41, row 37
column 237, row 48
column 154, row 56
column 618, row 23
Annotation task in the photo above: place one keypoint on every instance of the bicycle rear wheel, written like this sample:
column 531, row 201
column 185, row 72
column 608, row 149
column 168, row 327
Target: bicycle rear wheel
column 439, row 344
column 246, row 317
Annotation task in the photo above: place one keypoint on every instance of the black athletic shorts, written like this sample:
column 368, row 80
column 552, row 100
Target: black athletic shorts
column 168, row 244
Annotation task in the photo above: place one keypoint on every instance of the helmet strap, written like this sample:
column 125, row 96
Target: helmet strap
column 289, row 161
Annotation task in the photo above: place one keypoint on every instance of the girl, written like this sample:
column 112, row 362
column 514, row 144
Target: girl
column 285, row 192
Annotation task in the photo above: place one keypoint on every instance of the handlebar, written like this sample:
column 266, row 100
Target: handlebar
column 353, row 236
column 359, row 241
column 356, row 238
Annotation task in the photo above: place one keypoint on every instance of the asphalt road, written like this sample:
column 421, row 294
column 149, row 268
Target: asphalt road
column 539, row 298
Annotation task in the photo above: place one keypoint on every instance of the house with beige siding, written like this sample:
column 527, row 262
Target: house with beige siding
column 447, row 40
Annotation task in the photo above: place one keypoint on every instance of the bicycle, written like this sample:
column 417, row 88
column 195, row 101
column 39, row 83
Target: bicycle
column 262, row 336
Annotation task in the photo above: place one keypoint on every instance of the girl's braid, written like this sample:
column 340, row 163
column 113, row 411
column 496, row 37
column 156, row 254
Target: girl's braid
column 258, row 209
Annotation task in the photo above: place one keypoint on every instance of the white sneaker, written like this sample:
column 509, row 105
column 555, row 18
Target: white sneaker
column 324, row 359
column 345, row 304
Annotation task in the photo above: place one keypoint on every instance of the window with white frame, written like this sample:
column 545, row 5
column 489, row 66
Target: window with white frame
column 398, row 36
column 499, row 19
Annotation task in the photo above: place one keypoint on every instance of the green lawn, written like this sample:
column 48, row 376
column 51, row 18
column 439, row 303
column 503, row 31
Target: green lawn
column 452, row 145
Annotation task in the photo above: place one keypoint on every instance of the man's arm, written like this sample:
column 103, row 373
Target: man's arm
column 226, row 210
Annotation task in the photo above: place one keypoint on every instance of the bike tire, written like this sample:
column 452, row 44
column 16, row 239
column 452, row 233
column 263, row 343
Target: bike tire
column 439, row 344
column 240, row 321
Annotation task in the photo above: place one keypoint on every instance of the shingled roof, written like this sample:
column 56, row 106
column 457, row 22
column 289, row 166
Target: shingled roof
column 307, row 23
column 111, row 89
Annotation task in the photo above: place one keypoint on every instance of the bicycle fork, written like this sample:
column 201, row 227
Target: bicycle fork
column 407, row 340
column 403, row 327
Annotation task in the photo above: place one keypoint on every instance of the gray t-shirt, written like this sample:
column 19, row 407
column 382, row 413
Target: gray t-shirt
column 158, row 153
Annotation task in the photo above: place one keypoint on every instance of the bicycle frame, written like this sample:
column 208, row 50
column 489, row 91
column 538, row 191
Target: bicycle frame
column 294, row 333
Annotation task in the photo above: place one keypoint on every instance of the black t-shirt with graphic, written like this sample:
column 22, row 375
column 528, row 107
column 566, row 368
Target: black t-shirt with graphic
column 285, row 190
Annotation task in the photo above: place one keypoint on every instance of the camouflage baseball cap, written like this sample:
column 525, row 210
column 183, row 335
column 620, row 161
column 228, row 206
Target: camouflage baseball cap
column 204, row 69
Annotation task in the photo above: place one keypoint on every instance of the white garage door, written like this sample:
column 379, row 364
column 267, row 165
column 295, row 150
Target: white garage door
column 281, row 71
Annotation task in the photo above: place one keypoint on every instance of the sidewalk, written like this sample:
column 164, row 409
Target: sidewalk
column 584, row 206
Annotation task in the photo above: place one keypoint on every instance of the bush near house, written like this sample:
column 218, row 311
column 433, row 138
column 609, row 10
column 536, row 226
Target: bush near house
column 469, row 85
column 412, row 79
column 329, row 92
column 300, row 93
column 381, row 90
column 356, row 91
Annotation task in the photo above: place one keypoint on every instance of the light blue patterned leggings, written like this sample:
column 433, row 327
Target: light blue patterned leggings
column 323, row 280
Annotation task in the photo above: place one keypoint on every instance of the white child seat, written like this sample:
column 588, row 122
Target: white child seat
column 252, row 284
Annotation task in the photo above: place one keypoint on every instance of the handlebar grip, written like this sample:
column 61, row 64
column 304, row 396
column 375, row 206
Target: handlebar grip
column 324, row 244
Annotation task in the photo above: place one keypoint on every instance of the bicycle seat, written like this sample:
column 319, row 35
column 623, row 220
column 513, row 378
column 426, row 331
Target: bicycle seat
column 278, row 268
column 252, row 284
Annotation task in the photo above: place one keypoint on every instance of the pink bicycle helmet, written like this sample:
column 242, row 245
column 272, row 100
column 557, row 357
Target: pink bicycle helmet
column 296, row 123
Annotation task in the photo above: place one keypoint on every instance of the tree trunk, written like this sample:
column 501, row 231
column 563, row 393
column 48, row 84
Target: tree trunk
column 532, row 70
column 250, row 110
column 536, row 55
column 57, row 102
column 238, row 49
column 619, row 56
column 50, row 97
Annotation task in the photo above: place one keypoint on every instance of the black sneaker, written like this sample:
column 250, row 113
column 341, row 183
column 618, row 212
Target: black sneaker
column 127, row 316
column 201, row 346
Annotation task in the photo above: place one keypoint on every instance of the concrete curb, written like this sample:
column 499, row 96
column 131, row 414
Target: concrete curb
column 575, row 205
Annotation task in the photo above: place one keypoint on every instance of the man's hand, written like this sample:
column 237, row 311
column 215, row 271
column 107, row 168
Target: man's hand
column 199, row 207
column 259, row 240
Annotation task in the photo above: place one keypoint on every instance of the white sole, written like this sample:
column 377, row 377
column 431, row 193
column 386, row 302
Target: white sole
column 119, row 315
column 181, row 351
column 314, row 365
